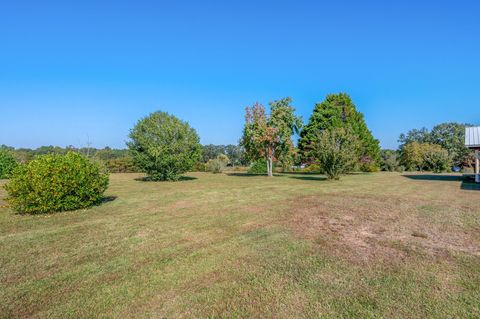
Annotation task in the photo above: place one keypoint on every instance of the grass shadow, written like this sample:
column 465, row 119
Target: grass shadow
column 105, row 199
column 433, row 177
column 310, row 178
column 301, row 173
column 467, row 181
column 469, row 184
column 181, row 179
column 245, row 174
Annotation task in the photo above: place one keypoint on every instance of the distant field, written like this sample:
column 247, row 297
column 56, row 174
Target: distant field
column 369, row 245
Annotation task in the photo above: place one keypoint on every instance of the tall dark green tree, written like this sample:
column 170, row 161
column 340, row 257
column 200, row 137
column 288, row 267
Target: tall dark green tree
column 338, row 111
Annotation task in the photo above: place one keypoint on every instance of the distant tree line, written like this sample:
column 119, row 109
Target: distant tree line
column 334, row 141
column 440, row 149
column 117, row 160
column 235, row 153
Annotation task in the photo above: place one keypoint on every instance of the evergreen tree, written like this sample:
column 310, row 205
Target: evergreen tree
column 338, row 111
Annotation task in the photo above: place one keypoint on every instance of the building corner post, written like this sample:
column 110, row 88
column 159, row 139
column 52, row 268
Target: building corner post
column 477, row 166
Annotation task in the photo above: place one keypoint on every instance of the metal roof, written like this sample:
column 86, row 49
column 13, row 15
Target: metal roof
column 472, row 136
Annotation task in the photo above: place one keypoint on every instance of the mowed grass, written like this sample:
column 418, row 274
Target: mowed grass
column 232, row 245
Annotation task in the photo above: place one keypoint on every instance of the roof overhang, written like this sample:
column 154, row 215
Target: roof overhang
column 472, row 137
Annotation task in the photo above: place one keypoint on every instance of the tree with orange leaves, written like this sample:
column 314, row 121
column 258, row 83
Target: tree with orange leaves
column 269, row 137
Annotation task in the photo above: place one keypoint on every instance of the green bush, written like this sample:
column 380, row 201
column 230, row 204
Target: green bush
column 390, row 161
column 199, row 167
column 164, row 147
column 218, row 164
column 312, row 168
column 426, row 156
column 334, row 151
column 7, row 163
column 400, row 169
column 366, row 164
column 259, row 167
column 437, row 159
column 52, row 183
column 121, row 165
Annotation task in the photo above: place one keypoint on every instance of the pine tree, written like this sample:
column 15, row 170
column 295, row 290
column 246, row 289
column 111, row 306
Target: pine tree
column 338, row 111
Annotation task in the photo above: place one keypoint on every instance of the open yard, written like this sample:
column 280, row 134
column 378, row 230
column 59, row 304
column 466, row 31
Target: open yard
column 234, row 245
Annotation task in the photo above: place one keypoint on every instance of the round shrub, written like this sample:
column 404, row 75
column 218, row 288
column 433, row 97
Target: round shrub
column 7, row 163
column 54, row 182
column 217, row 165
column 164, row 146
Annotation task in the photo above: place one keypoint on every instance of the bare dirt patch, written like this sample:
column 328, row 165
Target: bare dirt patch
column 361, row 228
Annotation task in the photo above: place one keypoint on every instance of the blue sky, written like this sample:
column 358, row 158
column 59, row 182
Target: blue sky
column 72, row 71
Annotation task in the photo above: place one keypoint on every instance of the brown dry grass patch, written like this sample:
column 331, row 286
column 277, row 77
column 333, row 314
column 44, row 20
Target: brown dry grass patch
column 365, row 228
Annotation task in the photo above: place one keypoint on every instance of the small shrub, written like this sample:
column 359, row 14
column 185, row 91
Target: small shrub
column 7, row 163
column 214, row 165
column 121, row 165
column 400, row 169
column 218, row 164
column 366, row 164
column 199, row 167
column 52, row 183
column 390, row 161
column 258, row 167
column 334, row 150
column 312, row 168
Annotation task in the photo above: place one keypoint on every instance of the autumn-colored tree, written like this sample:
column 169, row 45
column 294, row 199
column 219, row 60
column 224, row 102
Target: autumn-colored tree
column 270, row 136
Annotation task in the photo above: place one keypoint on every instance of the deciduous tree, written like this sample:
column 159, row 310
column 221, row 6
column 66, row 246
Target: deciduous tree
column 334, row 150
column 163, row 146
column 270, row 136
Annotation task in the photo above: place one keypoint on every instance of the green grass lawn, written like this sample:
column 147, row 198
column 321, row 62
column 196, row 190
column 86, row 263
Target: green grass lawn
column 369, row 245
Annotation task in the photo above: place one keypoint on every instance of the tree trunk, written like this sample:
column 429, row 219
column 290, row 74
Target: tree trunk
column 270, row 167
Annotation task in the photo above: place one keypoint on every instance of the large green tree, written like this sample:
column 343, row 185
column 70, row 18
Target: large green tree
column 450, row 136
column 426, row 156
column 164, row 146
column 269, row 137
column 338, row 111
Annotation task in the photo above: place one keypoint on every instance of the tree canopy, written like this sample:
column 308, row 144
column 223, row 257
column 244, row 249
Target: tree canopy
column 270, row 136
column 450, row 136
column 338, row 111
column 164, row 146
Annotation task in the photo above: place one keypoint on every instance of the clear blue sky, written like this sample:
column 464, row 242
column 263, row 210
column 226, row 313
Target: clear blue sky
column 77, row 70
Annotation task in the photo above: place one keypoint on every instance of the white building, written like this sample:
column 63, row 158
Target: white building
column 472, row 141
